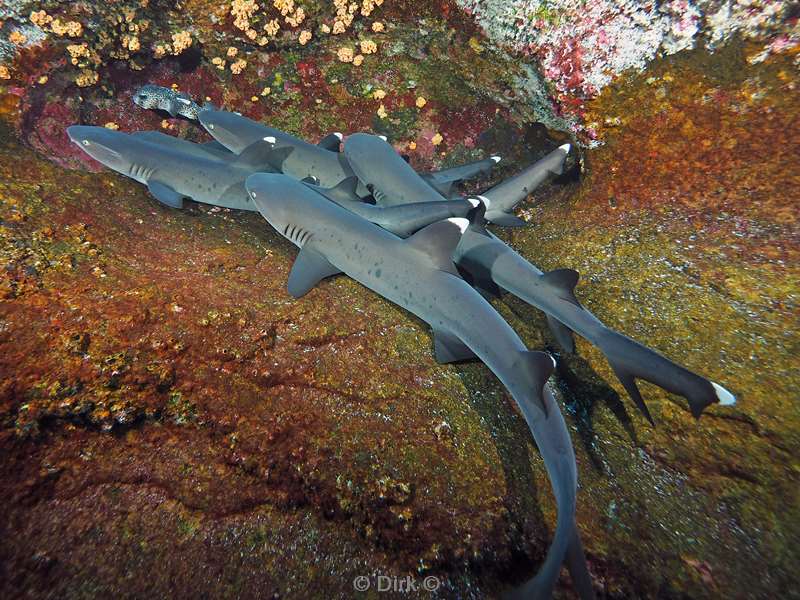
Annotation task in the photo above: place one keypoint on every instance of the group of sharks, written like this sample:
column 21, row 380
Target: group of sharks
column 355, row 206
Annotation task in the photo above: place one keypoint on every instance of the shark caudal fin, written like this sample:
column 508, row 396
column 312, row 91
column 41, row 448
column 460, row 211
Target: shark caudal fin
column 578, row 569
column 631, row 360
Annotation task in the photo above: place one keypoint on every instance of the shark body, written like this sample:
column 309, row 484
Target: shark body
column 393, row 182
column 236, row 133
column 323, row 161
column 402, row 220
column 488, row 261
column 418, row 274
column 172, row 175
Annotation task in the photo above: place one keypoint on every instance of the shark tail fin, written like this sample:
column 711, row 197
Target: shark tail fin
column 578, row 570
column 629, row 383
column 631, row 360
column 536, row 367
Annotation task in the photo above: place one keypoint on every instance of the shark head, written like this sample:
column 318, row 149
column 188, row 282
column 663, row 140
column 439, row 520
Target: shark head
column 103, row 145
column 286, row 203
column 229, row 129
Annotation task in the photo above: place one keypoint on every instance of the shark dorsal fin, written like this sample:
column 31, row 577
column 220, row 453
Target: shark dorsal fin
column 345, row 189
column 311, row 180
column 263, row 154
column 564, row 280
column 331, row 142
column 438, row 242
column 309, row 268
column 536, row 368
column 477, row 219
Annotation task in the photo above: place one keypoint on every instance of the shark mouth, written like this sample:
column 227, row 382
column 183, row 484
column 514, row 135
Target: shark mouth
column 296, row 234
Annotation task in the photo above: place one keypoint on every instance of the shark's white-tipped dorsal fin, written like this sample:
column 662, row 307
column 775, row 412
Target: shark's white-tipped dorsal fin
column 486, row 202
column 725, row 397
column 331, row 141
column 262, row 155
column 438, row 242
column 383, row 137
column 565, row 148
column 474, row 201
column 460, row 222
column 270, row 139
column 496, row 158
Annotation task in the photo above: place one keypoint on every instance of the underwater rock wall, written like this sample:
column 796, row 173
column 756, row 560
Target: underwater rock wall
column 580, row 46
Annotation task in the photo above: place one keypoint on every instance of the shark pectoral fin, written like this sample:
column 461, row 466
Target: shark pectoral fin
column 562, row 333
column 309, row 268
column 262, row 154
column 447, row 348
column 629, row 383
column 504, row 219
column 564, row 280
column 438, row 242
column 165, row 194
column 331, row 142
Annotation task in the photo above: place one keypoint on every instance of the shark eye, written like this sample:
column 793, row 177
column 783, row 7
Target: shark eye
column 85, row 142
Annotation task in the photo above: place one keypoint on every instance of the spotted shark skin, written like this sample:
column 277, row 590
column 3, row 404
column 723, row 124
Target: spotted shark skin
column 418, row 274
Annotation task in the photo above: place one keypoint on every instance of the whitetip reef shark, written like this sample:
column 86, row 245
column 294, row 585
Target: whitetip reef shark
column 322, row 161
column 418, row 274
column 393, row 182
column 402, row 220
column 490, row 265
column 171, row 174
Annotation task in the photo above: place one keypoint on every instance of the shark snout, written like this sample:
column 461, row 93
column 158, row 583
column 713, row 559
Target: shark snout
column 78, row 133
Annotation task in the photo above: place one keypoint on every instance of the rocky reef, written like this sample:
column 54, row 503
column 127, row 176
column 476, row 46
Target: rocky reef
column 172, row 423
